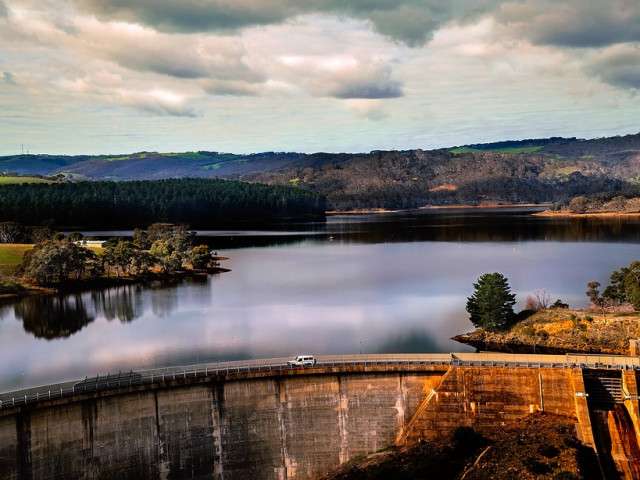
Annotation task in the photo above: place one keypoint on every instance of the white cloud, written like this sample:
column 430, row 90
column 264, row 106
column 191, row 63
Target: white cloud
column 340, row 76
column 240, row 75
column 180, row 56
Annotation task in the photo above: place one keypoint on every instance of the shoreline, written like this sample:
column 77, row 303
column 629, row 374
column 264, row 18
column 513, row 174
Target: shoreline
column 549, row 213
column 104, row 283
column 561, row 330
column 437, row 207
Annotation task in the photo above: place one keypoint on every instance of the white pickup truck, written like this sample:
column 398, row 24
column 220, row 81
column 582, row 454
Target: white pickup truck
column 302, row 361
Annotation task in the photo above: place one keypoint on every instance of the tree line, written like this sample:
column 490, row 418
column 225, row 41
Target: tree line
column 416, row 178
column 623, row 289
column 199, row 202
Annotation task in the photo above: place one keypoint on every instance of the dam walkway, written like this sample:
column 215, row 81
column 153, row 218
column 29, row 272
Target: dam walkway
column 103, row 382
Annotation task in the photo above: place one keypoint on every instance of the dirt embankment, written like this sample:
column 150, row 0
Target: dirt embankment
column 540, row 446
column 561, row 331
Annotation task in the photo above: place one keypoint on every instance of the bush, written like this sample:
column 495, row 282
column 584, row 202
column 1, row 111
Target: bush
column 9, row 286
column 559, row 304
column 548, row 451
column 579, row 205
column 536, row 466
column 566, row 475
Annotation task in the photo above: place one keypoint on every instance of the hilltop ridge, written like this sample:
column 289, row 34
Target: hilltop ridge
column 515, row 171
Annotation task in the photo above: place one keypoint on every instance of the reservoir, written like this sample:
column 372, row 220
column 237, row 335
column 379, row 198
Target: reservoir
column 358, row 283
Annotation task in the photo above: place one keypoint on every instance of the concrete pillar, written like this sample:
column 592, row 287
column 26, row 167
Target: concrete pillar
column 582, row 409
column 630, row 389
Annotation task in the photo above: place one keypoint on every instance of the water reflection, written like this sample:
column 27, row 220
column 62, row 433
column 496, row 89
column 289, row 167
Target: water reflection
column 62, row 315
column 416, row 341
column 123, row 303
column 463, row 225
column 434, row 225
column 53, row 316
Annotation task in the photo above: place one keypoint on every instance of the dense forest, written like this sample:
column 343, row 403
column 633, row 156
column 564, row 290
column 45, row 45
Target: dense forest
column 514, row 171
column 198, row 202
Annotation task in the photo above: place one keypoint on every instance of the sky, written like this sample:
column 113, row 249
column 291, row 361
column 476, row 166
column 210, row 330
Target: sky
column 243, row 76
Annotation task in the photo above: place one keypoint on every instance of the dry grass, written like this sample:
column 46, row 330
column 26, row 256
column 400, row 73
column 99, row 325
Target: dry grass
column 578, row 329
column 11, row 254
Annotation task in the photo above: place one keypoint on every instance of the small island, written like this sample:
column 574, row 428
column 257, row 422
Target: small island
column 53, row 262
column 609, row 325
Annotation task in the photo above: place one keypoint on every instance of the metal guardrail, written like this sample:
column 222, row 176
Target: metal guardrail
column 131, row 378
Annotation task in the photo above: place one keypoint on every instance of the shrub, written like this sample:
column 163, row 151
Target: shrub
column 579, row 205
column 548, row 451
column 566, row 475
column 9, row 286
column 559, row 304
column 536, row 466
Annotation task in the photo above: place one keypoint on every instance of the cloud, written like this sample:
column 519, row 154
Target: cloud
column 343, row 76
column 194, row 15
column 217, row 63
column 572, row 23
column 158, row 102
column 409, row 21
column 4, row 12
column 180, row 56
column 112, row 88
column 618, row 66
column 8, row 78
column 371, row 109
column 234, row 87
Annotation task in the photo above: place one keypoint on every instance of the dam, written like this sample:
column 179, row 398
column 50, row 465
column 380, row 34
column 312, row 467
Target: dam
column 264, row 420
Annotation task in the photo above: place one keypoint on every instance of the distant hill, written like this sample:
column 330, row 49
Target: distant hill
column 516, row 171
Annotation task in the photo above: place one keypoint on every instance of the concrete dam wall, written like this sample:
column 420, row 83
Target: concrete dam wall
column 281, row 424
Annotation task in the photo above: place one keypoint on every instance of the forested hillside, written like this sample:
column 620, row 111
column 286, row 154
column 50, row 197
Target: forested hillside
column 198, row 202
column 523, row 171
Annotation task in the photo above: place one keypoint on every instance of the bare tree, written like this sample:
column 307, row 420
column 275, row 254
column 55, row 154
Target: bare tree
column 538, row 300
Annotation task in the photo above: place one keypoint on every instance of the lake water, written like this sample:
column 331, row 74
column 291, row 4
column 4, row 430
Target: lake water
column 380, row 283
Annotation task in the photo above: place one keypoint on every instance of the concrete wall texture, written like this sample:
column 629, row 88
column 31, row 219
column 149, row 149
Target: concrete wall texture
column 290, row 424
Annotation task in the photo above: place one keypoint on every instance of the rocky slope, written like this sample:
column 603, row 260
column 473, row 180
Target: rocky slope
column 561, row 331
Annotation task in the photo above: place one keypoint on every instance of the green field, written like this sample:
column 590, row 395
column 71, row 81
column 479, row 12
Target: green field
column 11, row 255
column 18, row 180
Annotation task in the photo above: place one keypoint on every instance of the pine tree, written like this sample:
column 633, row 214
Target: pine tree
column 491, row 305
